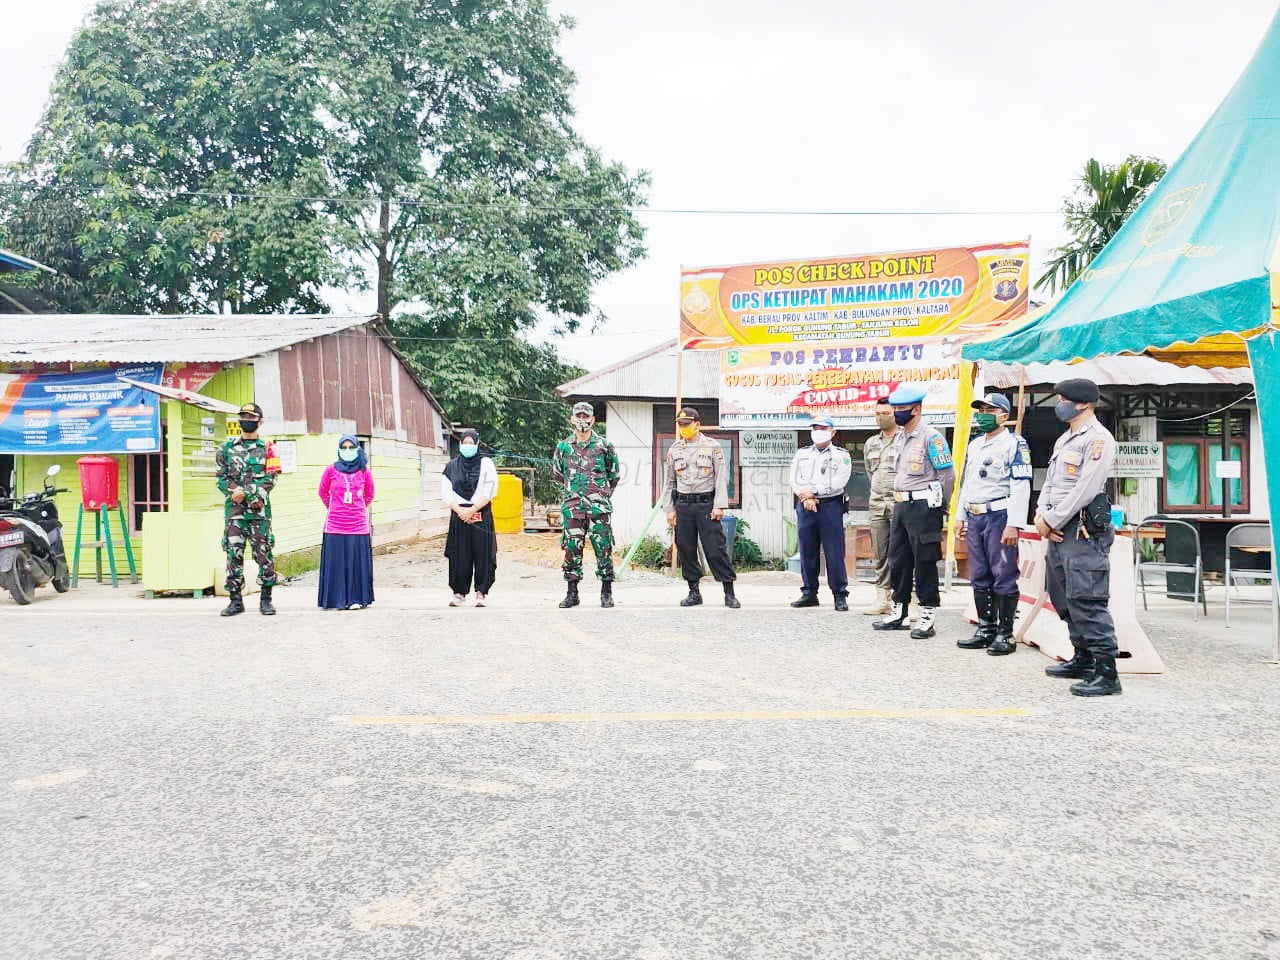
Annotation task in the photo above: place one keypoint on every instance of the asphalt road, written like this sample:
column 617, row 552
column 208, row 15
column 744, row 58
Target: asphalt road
column 522, row 783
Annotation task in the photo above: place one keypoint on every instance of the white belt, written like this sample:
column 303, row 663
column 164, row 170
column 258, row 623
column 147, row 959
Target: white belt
column 902, row 496
column 980, row 508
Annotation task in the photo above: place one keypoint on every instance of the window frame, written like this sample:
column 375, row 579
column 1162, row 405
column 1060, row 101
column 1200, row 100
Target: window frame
column 735, row 468
column 1207, row 447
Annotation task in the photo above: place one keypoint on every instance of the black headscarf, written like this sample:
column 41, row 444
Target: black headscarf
column 359, row 463
column 464, row 472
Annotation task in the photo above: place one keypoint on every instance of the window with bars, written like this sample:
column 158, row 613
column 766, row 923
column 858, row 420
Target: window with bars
column 149, row 485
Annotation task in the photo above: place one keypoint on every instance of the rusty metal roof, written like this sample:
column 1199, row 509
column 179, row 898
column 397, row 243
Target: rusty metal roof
column 160, row 338
column 1121, row 371
column 651, row 375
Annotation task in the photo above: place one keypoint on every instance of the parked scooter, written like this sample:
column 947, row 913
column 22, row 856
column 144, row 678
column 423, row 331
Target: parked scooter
column 31, row 549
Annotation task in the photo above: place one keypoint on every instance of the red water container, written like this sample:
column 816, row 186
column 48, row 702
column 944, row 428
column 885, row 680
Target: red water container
column 99, row 482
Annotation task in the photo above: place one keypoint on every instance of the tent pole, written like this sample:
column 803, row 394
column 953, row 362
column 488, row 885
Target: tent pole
column 959, row 443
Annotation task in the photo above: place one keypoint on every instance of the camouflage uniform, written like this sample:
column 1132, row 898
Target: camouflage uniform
column 243, row 463
column 589, row 473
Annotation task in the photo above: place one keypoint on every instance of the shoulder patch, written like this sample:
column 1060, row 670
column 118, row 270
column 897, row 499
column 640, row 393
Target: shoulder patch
column 1095, row 449
column 939, row 453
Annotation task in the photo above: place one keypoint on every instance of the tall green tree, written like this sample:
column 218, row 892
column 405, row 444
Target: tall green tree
column 249, row 156
column 145, row 183
column 1104, row 198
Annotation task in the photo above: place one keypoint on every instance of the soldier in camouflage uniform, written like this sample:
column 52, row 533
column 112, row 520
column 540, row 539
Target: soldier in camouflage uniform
column 244, row 480
column 586, row 465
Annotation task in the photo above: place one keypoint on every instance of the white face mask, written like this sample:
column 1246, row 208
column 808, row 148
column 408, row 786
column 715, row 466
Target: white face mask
column 822, row 436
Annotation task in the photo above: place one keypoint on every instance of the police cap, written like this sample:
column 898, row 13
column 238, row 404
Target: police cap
column 823, row 421
column 689, row 414
column 994, row 400
column 907, row 395
column 252, row 409
column 1077, row 390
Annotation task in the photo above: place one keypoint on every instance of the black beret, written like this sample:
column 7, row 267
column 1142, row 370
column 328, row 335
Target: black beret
column 1078, row 390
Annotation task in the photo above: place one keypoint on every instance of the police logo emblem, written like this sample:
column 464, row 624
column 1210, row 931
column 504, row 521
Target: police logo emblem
column 1007, row 290
column 1169, row 214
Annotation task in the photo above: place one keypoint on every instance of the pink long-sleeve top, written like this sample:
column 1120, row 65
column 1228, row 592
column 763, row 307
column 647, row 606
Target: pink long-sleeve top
column 346, row 517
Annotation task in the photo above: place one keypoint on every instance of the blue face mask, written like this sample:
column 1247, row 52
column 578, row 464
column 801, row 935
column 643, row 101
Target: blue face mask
column 348, row 454
column 468, row 450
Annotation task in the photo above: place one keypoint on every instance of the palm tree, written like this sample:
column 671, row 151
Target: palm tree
column 1103, row 200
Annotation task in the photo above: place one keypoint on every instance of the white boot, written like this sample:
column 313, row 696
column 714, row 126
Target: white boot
column 924, row 624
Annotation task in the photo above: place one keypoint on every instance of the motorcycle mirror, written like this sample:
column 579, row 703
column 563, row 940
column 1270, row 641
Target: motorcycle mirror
column 54, row 470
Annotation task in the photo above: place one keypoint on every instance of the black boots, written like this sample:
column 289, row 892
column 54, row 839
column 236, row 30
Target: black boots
column 264, row 603
column 985, row 603
column 842, row 602
column 1105, row 681
column 235, row 606
column 730, row 600
column 606, row 594
column 695, row 595
column 806, row 600
column 1080, row 665
column 570, row 596
column 894, row 623
column 1006, row 610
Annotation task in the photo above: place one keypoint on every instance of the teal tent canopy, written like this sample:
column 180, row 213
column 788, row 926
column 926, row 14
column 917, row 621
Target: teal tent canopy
column 1197, row 259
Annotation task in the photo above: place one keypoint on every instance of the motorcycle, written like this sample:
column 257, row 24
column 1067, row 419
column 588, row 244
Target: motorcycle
column 32, row 552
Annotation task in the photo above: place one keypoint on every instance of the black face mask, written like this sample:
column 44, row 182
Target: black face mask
column 249, row 426
column 903, row 417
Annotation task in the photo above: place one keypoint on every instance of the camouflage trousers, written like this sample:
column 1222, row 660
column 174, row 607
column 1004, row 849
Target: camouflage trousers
column 578, row 526
column 257, row 531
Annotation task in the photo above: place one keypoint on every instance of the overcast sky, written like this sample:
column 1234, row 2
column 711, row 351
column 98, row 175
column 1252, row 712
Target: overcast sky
column 832, row 105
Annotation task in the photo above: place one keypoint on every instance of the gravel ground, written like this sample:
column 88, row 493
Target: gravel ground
column 525, row 783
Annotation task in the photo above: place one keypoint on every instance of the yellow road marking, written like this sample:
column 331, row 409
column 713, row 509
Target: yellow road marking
column 659, row 716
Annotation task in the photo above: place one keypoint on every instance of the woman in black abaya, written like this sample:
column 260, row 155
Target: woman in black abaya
column 468, row 487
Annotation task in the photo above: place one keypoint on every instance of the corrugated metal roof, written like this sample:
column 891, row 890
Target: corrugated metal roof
column 160, row 338
column 651, row 375
column 1122, row 371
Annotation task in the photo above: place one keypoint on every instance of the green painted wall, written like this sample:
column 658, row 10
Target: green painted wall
column 31, row 470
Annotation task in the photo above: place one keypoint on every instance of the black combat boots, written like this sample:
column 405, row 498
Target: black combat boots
column 606, row 594
column 1105, row 681
column 235, row 606
column 570, row 596
column 1080, row 665
column 1006, row 611
column 695, row 595
column 264, row 603
column 984, row 602
column 730, row 600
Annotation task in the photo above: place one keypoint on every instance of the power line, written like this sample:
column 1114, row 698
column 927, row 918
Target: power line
column 518, row 206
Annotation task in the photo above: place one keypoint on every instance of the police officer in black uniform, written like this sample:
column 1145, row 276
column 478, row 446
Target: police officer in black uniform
column 1074, row 514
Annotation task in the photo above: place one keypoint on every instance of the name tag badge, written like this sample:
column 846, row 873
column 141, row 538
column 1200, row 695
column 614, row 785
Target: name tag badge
column 346, row 497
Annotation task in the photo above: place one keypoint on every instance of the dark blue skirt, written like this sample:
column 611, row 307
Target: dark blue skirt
column 346, row 570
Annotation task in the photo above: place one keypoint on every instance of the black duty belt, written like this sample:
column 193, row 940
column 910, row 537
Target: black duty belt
column 834, row 496
column 694, row 497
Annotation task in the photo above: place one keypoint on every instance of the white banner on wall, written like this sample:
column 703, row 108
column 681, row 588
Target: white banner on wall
column 767, row 448
column 1142, row 459
column 784, row 386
